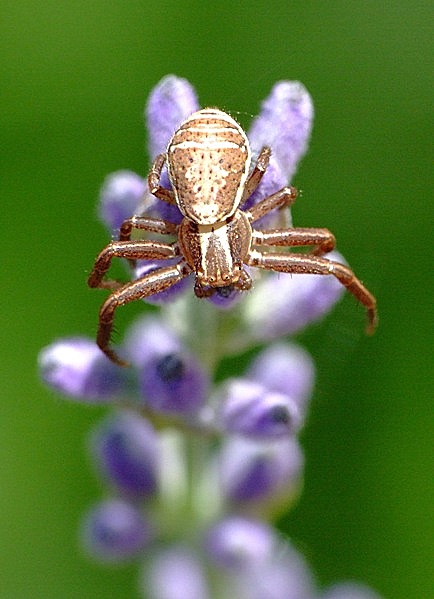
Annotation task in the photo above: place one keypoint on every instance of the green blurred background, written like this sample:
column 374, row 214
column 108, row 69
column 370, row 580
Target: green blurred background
column 75, row 76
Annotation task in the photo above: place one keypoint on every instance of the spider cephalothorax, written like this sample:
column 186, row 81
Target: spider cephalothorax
column 208, row 162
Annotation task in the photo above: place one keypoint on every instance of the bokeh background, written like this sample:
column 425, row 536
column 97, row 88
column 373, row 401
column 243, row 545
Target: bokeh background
column 75, row 77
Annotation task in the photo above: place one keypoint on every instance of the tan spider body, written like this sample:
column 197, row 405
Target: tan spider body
column 208, row 161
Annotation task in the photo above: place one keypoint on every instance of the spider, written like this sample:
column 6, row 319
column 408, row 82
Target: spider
column 208, row 161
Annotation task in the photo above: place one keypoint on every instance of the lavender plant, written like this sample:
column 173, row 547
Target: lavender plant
column 196, row 469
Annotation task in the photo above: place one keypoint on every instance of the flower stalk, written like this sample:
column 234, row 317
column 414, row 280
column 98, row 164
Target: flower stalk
column 195, row 467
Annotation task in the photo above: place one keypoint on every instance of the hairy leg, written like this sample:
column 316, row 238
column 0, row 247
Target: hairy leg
column 148, row 285
column 154, row 181
column 132, row 250
column 284, row 197
column 308, row 264
column 257, row 173
column 322, row 240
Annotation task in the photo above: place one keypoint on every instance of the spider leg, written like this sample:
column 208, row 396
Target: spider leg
column 154, row 177
column 132, row 250
column 146, row 223
column 147, row 285
column 257, row 173
column 308, row 264
column 322, row 239
column 284, row 197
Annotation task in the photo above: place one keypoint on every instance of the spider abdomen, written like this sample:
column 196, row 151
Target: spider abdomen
column 208, row 161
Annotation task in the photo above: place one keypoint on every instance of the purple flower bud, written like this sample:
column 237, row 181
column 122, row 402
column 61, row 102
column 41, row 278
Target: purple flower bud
column 150, row 337
column 171, row 101
column 350, row 590
column 171, row 380
column 168, row 295
column 114, row 531
column 286, row 368
column 283, row 576
column 256, row 470
column 125, row 449
column 175, row 573
column 239, row 543
column 120, row 195
column 249, row 408
column 283, row 304
column 174, row 383
column 76, row 367
column 284, row 124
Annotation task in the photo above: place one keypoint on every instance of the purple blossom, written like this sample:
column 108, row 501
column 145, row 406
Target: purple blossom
column 252, row 471
column 125, row 450
column 120, row 195
column 239, row 543
column 115, row 531
column 284, row 576
column 171, row 101
column 174, row 383
column 284, row 124
column 76, row 367
column 175, row 573
column 286, row 368
column 148, row 338
column 251, row 409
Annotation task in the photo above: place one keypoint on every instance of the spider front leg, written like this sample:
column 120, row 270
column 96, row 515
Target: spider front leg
column 132, row 250
column 284, row 197
column 257, row 173
column 154, row 181
column 148, row 285
column 308, row 264
column 322, row 240
column 146, row 223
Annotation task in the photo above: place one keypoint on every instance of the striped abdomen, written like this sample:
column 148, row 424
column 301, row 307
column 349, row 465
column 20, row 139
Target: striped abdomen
column 208, row 161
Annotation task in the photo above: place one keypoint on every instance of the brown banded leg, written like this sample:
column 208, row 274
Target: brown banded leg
column 148, row 285
column 154, row 177
column 284, row 197
column 257, row 173
column 307, row 264
column 322, row 239
column 146, row 223
column 132, row 250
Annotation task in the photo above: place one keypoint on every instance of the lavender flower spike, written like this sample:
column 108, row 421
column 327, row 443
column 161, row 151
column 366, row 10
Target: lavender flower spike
column 284, row 124
column 171, row 101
